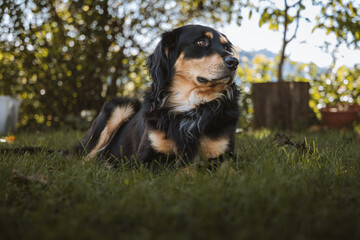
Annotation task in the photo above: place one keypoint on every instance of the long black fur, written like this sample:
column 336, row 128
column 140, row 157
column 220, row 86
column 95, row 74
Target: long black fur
column 213, row 119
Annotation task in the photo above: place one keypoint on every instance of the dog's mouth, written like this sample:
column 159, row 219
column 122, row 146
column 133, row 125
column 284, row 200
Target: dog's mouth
column 224, row 79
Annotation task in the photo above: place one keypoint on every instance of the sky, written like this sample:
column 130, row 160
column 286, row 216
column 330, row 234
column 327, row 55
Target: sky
column 304, row 48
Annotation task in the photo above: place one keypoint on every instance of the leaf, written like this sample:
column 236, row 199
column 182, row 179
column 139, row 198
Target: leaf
column 250, row 14
column 273, row 26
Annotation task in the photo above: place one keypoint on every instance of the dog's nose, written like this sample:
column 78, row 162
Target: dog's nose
column 231, row 62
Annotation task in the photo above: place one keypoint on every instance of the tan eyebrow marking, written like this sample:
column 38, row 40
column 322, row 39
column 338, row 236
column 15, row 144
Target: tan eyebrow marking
column 209, row 35
column 223, row 40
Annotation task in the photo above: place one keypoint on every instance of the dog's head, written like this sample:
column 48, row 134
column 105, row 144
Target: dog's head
column 192, row 65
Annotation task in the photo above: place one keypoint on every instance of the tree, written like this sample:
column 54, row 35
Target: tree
column 275, row 17
column 341, row 18
column 63, row 57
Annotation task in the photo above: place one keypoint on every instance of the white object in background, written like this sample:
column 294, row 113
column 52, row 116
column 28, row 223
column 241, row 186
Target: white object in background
column 9, row 112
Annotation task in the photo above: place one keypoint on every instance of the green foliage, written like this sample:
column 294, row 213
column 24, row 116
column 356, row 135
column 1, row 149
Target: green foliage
column 266, row 191
column 63, row 58
column 271, row 14
column 332, row 88
column 342, row 18
column 276, row 17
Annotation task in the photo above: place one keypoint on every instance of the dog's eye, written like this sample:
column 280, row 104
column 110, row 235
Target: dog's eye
column 203, row 42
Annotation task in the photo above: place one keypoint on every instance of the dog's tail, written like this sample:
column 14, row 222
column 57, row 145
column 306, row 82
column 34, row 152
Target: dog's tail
column 112, row 116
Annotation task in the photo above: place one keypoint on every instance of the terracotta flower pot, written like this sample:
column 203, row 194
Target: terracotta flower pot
column 337, row 117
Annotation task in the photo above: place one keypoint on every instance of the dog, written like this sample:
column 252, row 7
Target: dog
column 189, row 112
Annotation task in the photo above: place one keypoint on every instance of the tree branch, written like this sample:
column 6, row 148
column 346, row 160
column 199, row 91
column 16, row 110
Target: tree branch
column 297, row 21
column 296, row 28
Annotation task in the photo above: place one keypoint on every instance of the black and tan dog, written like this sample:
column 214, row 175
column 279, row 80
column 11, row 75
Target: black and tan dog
column 189, row 112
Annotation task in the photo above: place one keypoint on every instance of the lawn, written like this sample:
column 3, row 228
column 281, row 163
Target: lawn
column 269, row 191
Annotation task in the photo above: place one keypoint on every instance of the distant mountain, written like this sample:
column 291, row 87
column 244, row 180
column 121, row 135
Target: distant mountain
column 287, row 69
column 251, row 54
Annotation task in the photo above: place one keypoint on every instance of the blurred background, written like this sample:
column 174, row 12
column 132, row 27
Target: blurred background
column 65, row 58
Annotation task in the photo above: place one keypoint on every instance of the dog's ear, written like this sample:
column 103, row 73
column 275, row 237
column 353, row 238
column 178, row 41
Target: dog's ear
column 161, row 62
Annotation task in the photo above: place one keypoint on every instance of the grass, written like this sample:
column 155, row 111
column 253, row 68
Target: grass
column 267, row 192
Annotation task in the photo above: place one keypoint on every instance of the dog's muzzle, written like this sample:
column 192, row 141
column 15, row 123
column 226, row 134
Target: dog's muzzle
column 231, row 62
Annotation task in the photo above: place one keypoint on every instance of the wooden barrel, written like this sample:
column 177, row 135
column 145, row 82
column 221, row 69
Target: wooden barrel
column 283, row 105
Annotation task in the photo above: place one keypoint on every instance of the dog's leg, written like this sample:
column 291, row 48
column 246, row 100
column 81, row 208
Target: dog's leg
column 113, row 114
column 231, row 148
column 146, row 152
column 212, row 148
column 119, row 115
